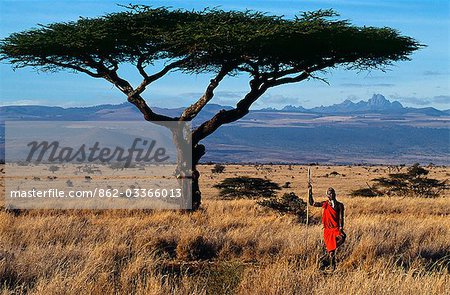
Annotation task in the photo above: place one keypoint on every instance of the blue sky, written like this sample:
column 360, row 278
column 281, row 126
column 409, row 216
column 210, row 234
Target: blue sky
column 422, row 82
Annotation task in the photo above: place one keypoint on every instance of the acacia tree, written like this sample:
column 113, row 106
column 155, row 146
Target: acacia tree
column 270, row 50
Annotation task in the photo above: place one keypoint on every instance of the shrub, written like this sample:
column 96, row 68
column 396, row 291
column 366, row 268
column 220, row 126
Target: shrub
column 53, row 168
column 289, row 203
column 247, row 187
column 195, row 248
column 412, row 183
column 218, row 168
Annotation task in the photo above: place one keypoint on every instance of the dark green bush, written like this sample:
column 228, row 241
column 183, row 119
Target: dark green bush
column 412, row 183
column 289, row 203
column 247, row 187
column 218, row 168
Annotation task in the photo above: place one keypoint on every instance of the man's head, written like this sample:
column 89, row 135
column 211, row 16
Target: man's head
column 331, row 194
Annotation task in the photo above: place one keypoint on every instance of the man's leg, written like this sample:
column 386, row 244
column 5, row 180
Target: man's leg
column 340, row 239
column 324, row 261
column 332, row 258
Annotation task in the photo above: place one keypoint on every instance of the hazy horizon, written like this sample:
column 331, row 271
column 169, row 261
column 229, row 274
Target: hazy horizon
column 225, row 105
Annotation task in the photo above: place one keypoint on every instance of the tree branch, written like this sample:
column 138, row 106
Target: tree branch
column 258, row 87
column 136, row 99
column 192, row 111
column 140, row 67
column 253, row 70
column 278, row 74
column 133, row 95
column 298, row 78
column 320, row 79
column 307, row 73
column 228, row 116
column 73, row 67
column 149, row 115
column 123, row 85
column 149, row 79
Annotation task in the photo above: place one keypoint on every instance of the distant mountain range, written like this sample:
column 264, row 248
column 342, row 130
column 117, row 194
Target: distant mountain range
column 375, row 131
column 377, row 104
column 125, row 111
column 107, row 112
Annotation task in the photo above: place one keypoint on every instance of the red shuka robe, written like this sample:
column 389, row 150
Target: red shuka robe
column 330, row 221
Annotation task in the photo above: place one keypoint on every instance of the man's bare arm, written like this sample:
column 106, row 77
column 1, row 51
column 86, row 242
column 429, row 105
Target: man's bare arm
column 311, row 200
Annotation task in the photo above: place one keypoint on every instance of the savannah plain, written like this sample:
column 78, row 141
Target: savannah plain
column 394, row 245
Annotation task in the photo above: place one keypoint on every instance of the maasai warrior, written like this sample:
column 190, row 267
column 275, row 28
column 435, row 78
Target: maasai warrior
column 333, row 222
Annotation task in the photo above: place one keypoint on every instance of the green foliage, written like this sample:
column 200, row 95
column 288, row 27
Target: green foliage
column 206, row 40
column 196, row 248
column 247, row 187
column 412, row 183
column 53, row 168
column 289, row 203
column 218, row 168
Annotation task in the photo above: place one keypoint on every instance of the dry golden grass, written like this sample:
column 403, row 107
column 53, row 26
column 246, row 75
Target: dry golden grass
column 394, row 246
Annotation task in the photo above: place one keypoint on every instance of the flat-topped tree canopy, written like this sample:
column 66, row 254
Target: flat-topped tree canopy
column 205, row 41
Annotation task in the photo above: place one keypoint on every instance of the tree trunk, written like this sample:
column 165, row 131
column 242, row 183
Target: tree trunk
column 197, row 152
column 186, row 170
